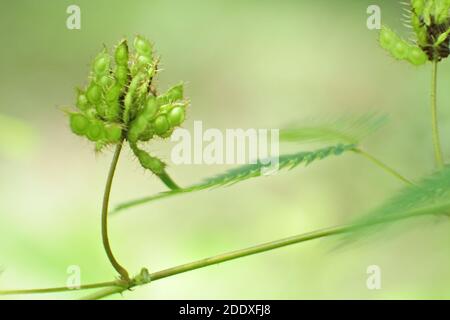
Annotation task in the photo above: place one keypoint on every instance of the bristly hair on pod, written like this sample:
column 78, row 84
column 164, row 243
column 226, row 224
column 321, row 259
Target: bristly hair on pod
column 430, row 23
column 120, row 102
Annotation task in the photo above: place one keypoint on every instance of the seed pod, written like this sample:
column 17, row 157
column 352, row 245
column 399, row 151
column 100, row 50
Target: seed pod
column 175, row 93
column 418, row 6
column 176, row 116
column 416, row 56
column 400, row 50
column 148, row 162
column 130, row 107
column 388, row 38
column 113, row 93
column 143, row 61
column 133, row 135
column 105, row 81
column 137, row 127
column 143, row 47
column 78, row 123
column 101, row 64
column 94, row 93
column 113, row 133
column 121, row 75
column 82, row 101
column 160, row 125
column 113, row 111
column 121, row 53
column 167, row 134
column 147, row 134
column 102, row 109
column 150, row 109
column 95, row 131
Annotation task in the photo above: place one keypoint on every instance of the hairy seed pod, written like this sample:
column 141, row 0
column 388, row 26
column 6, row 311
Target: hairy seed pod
column 95, row 131
column 121, row 53
column 143, row 61
column 400, row 50
column 148, row 162
column 113, row 93
column 167, row 134
column 113, row 133
column 133, row 135
column 150, row 109
column 176, row 116
column 94, row 93
column 147, row 134
column 121, row 75
column 82, row 101
column 143, row 47
column 417, row 57
column 105, row 81
column 113, row 110
column 78, row 123
column 388, row 38
column 418, row 6
column 175, row 93
column 102, row 109
column 161, row 125
column 101, row 64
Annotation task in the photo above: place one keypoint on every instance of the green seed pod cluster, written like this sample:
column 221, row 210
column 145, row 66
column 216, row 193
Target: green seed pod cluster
column 430, row 21
column 120, row 102
column 401, row 49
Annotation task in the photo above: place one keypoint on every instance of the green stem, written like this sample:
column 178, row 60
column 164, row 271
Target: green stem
column 62, row 289
column 382, row 165
column 104, row 293
column 121, row 270
column 121, row 286
column 434, row 118
column 271, row 246
column 167, row 180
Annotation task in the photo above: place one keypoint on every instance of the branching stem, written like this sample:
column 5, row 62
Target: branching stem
column 121, row 286
column 382, row 165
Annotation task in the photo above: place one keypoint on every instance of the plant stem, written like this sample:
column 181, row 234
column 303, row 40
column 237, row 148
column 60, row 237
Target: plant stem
column 382, row 165
column 119, row 287
column 62, row 289
column 434, row 117
column 333, row 231
column 167, row 180
column 103, row 293
column 121, row 270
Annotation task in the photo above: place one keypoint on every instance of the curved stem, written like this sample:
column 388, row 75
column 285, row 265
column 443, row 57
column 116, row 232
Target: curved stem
column 273, row 245
column 434, row 118
column 121, row 270
column 382, row 165
column 62, row 289
column 121, row 286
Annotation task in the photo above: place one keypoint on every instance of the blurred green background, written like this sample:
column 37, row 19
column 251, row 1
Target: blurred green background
column 247, row 64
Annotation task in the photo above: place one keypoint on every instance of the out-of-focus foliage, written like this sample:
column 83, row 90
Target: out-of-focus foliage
column 17, row 138
column 343, row 129
column 248, row 171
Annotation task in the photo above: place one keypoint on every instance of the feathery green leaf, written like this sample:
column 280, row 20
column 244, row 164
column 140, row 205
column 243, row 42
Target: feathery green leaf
column 346, row 129
column 431, row 196
column 246, row 172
